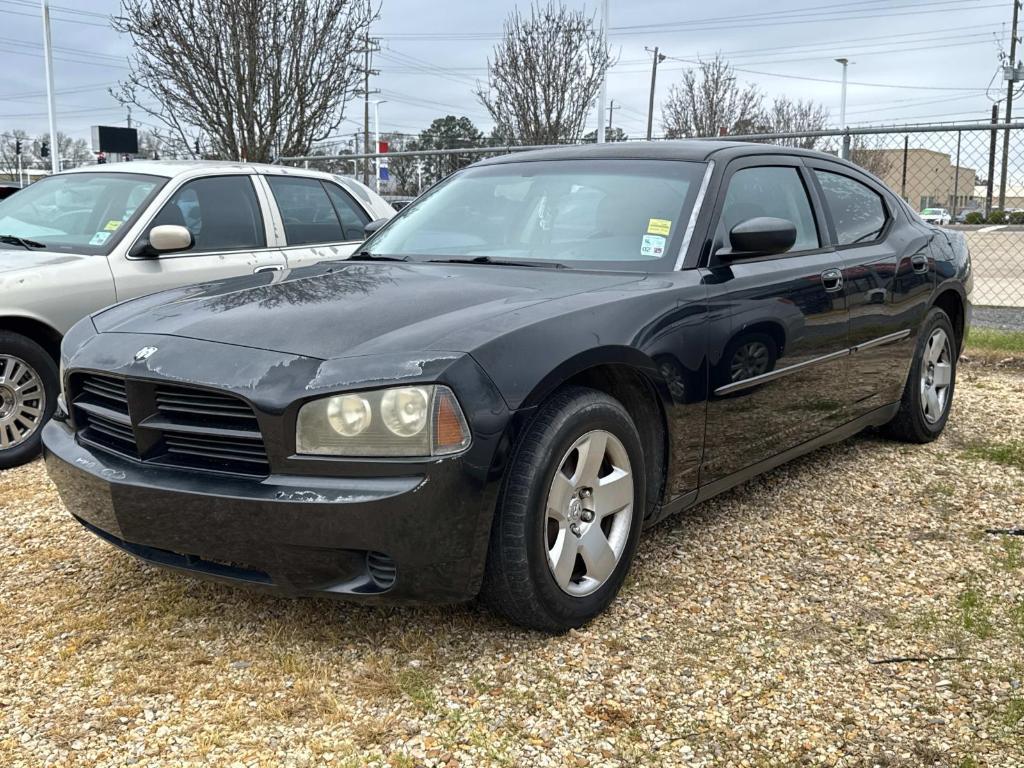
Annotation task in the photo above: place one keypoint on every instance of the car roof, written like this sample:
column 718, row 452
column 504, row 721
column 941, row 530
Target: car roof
column 176, row 168
column 694, row 150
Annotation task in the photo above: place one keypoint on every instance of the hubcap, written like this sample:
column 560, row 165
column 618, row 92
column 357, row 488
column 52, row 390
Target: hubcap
column 750, row 360
column 589, row 513
column 22, row 401
column 936, row 376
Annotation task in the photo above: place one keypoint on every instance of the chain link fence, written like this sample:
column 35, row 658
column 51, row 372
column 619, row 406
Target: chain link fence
column 967, row 177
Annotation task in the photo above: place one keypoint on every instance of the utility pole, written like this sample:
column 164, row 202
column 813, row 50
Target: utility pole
column 658, row 58
column 368, row 49
column 991, row 160
column 842, row 112
column 51, row 99
column 611, row 108
column 603, row 95
column 129, row 117
column 1010, row 82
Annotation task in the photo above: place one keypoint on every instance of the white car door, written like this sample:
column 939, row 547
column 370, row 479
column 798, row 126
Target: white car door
column 229, row 229
column 321, row 221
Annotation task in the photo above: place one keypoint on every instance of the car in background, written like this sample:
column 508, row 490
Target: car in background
column 8, row 188
column 75, row 242
column 939, row 216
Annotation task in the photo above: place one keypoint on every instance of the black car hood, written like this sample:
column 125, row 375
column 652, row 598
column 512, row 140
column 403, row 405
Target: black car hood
column 350, row 308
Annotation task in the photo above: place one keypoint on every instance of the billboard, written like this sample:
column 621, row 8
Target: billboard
column 115, row 140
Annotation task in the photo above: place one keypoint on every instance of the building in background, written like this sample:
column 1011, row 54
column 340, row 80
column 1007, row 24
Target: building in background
column 931, row 179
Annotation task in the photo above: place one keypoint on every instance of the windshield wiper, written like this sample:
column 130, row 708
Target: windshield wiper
column 23, row 242
column 503, row 262
column 367, row 256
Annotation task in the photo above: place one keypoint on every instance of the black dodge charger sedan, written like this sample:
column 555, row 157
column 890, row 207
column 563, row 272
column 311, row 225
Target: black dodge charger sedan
column 538, row 359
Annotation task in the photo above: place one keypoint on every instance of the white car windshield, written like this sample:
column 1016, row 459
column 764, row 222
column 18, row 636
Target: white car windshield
column 76, row 212
column 609, row 214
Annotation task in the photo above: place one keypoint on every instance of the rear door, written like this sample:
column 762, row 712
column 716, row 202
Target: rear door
column 888, row 274
column 778, row 351
column 227, row 223
column 321, row 221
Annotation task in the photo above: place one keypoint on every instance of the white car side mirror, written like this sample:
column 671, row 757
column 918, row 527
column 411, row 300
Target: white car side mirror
column 170, row 237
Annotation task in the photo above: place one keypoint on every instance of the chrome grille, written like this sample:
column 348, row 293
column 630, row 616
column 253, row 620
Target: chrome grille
column 171, row 425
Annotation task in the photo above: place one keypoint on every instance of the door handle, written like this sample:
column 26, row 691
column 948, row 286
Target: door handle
column 832, row 279
column 270, row 268
column 920, row 262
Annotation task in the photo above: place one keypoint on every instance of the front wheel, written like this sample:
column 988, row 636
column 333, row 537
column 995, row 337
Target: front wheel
column 28, row 395
column 928, row 394
column 569, row 515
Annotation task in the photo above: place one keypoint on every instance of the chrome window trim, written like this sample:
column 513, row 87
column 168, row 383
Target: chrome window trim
column 691, row 225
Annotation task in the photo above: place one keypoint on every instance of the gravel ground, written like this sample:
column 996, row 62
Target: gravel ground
column 1001, row 318
column 760, row 629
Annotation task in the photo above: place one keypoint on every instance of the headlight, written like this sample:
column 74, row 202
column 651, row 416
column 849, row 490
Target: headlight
column 401, row 421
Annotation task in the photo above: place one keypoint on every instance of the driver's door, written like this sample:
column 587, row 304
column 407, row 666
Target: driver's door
column 777, row 378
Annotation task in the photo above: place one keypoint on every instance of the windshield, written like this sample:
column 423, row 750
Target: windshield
column 934, row 210
column 606, row 214
column 80, row 212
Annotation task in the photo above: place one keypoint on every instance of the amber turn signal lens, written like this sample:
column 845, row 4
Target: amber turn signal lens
column 450, row 431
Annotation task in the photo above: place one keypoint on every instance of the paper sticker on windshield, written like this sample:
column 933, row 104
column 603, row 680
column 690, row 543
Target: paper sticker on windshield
column 112, row 225
column 99, row 238
column 652, row 247
column 659, row 227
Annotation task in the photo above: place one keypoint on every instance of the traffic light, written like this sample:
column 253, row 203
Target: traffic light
column 17, row 146
column 44, row 149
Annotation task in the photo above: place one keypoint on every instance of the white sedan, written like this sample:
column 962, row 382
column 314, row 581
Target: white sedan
column 938, row 216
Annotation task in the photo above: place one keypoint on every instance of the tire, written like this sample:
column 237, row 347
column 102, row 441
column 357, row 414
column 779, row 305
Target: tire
column 520, row 579
column 920, row 418
column 36, row 376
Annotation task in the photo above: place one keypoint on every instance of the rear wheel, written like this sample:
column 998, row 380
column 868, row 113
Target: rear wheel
column 569, row 516
column 928, row 395
column 28, row 395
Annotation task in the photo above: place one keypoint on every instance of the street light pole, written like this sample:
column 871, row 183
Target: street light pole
column 52, row 103
column 603, row 94
column 842, row 112
column 376, row 136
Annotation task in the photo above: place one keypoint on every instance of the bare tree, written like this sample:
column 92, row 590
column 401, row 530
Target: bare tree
column 255, row 77
column 880, row 162
column 545, row 74
column 788, row 116
column 709, row 100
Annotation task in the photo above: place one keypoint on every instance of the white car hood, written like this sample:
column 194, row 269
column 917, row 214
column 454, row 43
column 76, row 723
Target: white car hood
column 14, row 258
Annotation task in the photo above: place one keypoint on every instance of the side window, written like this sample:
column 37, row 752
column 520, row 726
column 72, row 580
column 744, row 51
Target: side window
column 776, row 191
column 857, row 210
column 353, row 217
column 306, row 211
column 221, row 212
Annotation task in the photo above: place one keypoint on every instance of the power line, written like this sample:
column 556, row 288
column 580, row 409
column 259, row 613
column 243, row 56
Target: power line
column 697, row 62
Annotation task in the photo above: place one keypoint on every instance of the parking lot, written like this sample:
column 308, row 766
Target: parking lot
column 765, row 627
column 997, row 254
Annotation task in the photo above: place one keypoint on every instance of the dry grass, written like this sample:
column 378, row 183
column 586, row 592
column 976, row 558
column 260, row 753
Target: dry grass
column 745, row 636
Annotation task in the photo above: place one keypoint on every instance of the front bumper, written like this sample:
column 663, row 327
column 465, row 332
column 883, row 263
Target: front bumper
column 417, row 537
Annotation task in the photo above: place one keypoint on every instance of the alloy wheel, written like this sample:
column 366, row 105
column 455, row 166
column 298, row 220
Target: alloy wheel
column 588, row 513
column 22, row 401
column 936, row 376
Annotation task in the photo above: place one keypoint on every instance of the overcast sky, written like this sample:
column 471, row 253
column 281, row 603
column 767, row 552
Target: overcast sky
column 913, row 60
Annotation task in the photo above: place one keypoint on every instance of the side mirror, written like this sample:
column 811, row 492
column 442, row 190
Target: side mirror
column 166, row 238
column 373, row 226
column 761, row 236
